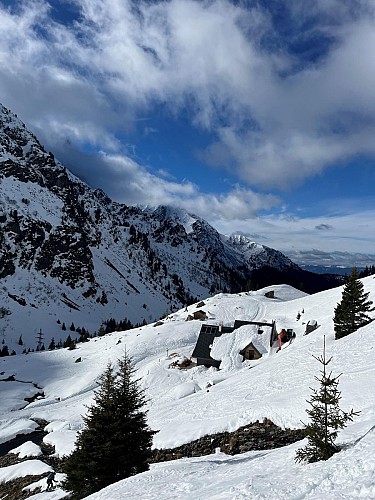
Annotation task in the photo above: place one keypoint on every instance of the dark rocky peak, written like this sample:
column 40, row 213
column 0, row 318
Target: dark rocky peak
column 207, row 236
column 102, row 197
column 23, row 157
column 16, row 140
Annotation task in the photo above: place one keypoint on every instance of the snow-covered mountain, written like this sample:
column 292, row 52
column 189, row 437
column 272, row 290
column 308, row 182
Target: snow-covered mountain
column 186, row 404
column 69, row 254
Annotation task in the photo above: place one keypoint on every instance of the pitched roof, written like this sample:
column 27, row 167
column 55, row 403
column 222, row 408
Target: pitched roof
column 203, row 346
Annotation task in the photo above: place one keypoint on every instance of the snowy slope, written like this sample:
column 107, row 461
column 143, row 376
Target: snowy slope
column 182, row 407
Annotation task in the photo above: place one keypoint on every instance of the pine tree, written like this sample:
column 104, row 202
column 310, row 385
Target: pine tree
column 4, row 351
column 325, row 415
column 350, row 313
column 102, row 331
column 69, row 343
column 115, row 442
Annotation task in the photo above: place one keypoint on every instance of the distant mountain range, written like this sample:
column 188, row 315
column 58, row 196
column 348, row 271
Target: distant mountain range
column 331, row 262
column 71, row 256
column 330, row 269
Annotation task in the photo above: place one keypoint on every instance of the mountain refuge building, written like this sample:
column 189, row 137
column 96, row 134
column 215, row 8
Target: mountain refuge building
column 253, row 346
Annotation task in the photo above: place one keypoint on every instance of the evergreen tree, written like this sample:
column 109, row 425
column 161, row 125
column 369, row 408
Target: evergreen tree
column 4, row 351
column 325, row 415
column 115, row 442
column 103, row 298
column 20, row 341
column 69, row 343
column 52, row 345
column 350, row 313
column 102, row 331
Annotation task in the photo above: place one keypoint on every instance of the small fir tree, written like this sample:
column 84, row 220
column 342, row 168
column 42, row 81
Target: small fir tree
column 115, row 442
column 326, row 417
column 102, row 331
column 4, row 351
column 69, row 342
column 350, row 313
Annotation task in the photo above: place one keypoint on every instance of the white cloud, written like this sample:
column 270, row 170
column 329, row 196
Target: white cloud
column 135, row 185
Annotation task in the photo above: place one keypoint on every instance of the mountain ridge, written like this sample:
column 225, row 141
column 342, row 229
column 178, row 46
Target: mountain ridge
column 70, row 254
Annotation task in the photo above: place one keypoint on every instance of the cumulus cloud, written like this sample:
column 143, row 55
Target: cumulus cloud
column 132, row 184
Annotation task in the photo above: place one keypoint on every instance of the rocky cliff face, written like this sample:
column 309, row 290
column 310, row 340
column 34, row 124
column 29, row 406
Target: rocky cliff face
column 70, row 254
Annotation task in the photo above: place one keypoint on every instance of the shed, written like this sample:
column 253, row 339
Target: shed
column 250, row 352
column 311, row 326
column 201, row 315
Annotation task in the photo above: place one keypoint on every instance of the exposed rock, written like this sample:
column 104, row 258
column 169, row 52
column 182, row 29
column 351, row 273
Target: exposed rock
column 256, row 436
column 14, row 489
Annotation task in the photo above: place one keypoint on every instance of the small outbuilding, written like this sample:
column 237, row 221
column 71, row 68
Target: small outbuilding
column 201, row 315
column 250, row 352
column 311, row 326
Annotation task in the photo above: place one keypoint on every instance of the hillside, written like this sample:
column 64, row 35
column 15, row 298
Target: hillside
column 71, row 255
column 187, row 404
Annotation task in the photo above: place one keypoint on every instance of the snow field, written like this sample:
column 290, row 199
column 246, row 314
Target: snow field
column 187, row 404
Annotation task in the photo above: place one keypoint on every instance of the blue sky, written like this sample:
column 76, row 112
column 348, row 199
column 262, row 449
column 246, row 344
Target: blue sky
column 257, row 115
